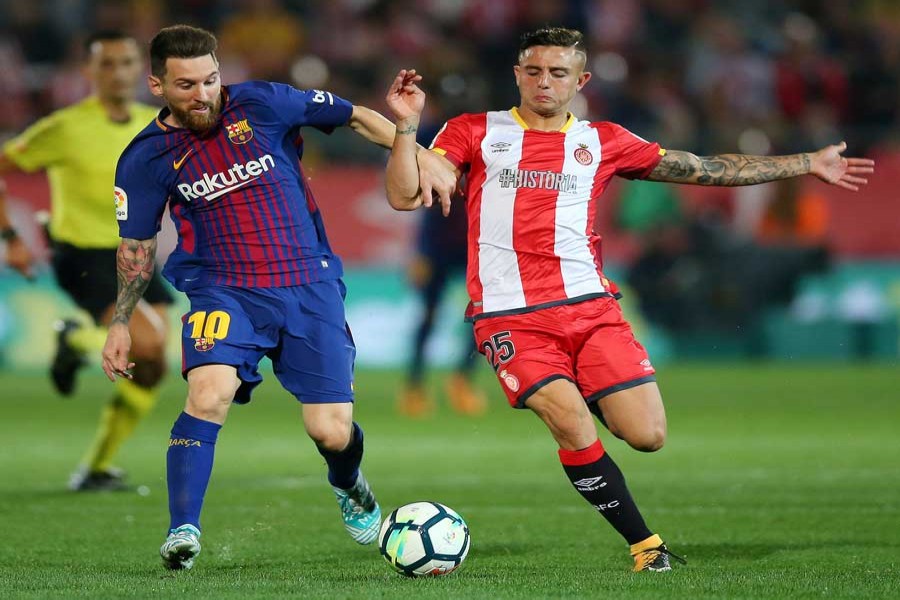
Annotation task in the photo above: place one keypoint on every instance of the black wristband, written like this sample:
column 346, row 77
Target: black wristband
column 8, row 234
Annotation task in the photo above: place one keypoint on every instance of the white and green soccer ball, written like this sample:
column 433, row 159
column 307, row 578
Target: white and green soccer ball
column 424, row 538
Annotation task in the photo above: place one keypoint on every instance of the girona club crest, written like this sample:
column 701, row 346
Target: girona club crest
column 204, row 344
column 511, row 381
column 583, row 155
column 239, row 132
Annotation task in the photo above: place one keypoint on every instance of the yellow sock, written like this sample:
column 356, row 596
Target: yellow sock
column 117, row 422
column 88, row 339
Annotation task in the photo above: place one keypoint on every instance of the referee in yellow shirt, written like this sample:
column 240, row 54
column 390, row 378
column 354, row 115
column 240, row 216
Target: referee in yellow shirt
column 78, row 147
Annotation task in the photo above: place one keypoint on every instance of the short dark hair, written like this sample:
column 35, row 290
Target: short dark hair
column 105, row 35
column 553, row 36
column 179, row 41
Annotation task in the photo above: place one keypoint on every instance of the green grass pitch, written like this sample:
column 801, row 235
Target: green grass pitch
column 776, row 482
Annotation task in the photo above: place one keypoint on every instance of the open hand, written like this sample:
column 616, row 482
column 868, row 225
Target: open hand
column 828, row 165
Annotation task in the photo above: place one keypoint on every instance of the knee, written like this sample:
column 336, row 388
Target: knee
column 644, row 439
column 330, row 434
column 209, row 398
column 571, row 429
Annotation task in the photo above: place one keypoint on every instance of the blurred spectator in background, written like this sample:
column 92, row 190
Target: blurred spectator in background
column 265, row 37
column 713, row 75
column 695, row 275
column 438, row 258
column 794, row 217
column 78, row 147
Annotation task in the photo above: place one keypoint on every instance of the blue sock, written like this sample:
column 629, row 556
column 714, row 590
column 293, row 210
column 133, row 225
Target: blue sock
column 343, row 466
column 189, row 464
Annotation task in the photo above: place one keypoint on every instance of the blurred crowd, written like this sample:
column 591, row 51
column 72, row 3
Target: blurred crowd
column 707, row 75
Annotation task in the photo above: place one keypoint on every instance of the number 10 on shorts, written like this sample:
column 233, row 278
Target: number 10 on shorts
column 211, row 326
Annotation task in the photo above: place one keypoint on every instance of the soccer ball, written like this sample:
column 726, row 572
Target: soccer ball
column 424, row 538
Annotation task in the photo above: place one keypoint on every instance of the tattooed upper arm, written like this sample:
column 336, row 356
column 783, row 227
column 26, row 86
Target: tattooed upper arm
column 135, row 261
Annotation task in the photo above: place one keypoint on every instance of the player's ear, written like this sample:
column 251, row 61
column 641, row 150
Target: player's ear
column 583, row 79
column 155, row 85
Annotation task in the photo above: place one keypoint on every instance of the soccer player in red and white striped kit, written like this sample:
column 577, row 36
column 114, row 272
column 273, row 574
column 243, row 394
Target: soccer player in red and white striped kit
column 544, row 315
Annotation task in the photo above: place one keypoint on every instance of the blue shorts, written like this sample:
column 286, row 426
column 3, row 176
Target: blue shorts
column 302, row 329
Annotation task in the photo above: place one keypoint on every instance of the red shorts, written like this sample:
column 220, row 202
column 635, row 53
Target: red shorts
column 589, row 343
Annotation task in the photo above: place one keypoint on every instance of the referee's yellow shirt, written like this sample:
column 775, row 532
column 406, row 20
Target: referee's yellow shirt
column 79, row 146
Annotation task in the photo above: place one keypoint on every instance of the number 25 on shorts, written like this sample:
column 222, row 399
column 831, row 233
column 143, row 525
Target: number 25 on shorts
column 499, row 349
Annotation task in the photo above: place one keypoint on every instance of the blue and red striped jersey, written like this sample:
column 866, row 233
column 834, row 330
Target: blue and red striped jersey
column 237, row 195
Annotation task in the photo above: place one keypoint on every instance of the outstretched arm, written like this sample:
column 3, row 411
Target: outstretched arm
column 135, row 260
column 413, row 172
column 372, row 125
column 378, row 130
column 744, row 169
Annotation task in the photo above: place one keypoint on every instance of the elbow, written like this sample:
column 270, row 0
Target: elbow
column 403, row 202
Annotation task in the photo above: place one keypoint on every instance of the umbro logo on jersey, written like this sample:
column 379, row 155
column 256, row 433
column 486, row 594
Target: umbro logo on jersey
column 500, row 147
column 176, row 164
column 213, row 186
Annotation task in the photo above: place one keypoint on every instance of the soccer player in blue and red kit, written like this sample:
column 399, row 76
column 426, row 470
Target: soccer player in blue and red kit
column 253, row 259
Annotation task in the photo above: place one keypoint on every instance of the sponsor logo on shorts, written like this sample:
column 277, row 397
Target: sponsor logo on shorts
column 583, row 155
column 646, row 364
column 510, row 380
column 590, row 484
column 204, row 344
column 121, row 204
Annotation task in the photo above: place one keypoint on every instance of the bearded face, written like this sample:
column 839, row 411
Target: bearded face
column 192, row 90
column 199, row 116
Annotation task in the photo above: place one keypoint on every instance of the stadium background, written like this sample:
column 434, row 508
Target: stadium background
column 780, row 477
column 702, row 75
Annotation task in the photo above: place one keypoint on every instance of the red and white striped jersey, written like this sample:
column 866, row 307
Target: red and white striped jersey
column 531, row 202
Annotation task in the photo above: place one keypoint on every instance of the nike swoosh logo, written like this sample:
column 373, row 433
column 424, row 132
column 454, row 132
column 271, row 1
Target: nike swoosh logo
column 176, row 164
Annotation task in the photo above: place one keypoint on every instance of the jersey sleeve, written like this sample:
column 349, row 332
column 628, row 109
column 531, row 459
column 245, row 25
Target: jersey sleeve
column 315, row 108
column 636, row 157
column 38, row 147
column 140, row 198
column 455, row 141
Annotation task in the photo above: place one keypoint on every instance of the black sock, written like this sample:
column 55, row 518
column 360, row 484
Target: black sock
column 343, row 465
column 599, row 480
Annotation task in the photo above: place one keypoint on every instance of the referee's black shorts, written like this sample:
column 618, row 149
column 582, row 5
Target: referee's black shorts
column 88, row 275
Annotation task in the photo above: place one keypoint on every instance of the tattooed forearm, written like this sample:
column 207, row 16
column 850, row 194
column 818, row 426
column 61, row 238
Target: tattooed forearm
column 728, row 169
column 407, row 126
column 135, row 260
